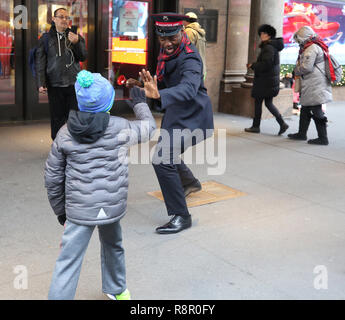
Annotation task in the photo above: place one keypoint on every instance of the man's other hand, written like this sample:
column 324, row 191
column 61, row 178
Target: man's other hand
column 42, row 90
column 74, row 38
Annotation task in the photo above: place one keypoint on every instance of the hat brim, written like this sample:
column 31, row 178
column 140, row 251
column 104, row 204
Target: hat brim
column 167, row 32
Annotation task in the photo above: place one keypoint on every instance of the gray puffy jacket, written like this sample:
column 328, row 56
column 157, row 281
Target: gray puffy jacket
column 88, row 180
column 315, row 87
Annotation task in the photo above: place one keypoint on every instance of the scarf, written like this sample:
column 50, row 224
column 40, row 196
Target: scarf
column 163, row 58
column 324, row 47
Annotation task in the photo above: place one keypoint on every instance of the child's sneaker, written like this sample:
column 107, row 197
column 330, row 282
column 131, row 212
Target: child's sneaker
column 125, row 295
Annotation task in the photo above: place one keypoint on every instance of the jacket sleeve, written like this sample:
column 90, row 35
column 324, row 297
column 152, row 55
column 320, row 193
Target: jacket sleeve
column 192, row 35
column 55, row 177
column 79, row 49
column 267, row 59
column 142, row 129
column 307, row 61
column 188, row 87
column 41, row 64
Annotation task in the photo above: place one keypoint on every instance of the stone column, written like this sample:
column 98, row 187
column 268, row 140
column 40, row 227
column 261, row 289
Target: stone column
column 237, row 43
column 262, row 12
column 238, row 100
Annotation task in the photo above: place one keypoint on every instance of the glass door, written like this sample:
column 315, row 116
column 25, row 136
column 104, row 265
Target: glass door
column 40, row 18
column 11, row 107
column 19, row 98
column 7, row 66
column 128, row 42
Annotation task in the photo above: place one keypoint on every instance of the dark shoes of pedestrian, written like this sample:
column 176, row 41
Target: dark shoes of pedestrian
column 283, row 128
column 252, row 130
column 191, row 188
column 175, row 225
column 297, row 136
column 319, row 141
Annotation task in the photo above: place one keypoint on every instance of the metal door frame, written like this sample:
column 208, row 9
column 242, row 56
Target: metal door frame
column 13, row 112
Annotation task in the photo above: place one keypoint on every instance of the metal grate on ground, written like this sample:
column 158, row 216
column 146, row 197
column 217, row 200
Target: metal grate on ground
column 211, row 192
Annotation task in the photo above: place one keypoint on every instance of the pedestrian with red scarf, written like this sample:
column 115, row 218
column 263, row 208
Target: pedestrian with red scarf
column 315, row 88
column 178, row 90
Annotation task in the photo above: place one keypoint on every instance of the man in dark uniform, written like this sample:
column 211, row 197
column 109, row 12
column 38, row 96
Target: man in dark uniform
column 178, row 89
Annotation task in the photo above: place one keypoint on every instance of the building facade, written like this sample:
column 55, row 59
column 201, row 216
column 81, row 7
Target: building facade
column 121, row 41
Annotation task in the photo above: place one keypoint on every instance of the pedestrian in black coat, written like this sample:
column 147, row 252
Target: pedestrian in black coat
column 267, row 77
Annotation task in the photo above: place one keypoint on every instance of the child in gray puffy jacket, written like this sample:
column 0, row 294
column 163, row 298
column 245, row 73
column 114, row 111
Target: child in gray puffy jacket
column 86, row 177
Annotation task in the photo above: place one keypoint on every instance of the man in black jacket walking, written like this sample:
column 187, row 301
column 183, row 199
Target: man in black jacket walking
column 57, row 67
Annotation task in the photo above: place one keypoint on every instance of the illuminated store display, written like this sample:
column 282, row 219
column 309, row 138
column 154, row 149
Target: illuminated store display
column 326, row 18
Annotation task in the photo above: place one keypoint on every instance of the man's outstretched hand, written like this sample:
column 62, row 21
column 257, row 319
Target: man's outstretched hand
column 150, row 84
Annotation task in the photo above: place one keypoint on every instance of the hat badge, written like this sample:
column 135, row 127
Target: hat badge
column 165, row 18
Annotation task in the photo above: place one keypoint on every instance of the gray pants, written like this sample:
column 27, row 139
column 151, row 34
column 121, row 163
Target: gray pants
column 75, row 241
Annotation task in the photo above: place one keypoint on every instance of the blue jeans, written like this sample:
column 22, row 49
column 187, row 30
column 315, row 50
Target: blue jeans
column 75, row 241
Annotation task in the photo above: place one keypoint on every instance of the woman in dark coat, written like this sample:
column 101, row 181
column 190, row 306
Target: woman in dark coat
column 267, row 77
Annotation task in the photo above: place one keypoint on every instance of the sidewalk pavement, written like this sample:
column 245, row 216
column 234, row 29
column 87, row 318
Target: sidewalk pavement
column 283, row 240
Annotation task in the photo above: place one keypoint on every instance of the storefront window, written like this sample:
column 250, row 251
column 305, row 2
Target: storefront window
column 7, row 74
column 326, row 18
column 128, row 40
column 78, row 13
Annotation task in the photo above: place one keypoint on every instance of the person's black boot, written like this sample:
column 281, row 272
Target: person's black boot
column 319, row 141
column 283, row 125
column 297, row 136
column 321, row 128
column 283, row 128
column 255, row 128
column 252, row 130
column 175, row 225
column 304, row 121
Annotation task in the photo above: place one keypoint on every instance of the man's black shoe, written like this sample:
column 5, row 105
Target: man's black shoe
column 191, row 188
column 175, row 225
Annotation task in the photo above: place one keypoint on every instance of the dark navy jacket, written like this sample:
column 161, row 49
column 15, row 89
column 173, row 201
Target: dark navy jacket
column 184, row 97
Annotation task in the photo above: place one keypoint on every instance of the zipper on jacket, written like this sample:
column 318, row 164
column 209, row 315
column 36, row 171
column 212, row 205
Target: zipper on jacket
column 58, row 38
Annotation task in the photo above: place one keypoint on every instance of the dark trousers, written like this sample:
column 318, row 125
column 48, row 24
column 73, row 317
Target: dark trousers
column 61, row 101
column 316, row 113
column 270, row 106
column 172, row 179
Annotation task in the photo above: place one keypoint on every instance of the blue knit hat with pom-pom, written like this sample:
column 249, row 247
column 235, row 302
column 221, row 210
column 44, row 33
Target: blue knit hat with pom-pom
column 94, row 92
